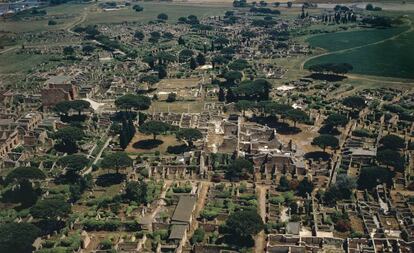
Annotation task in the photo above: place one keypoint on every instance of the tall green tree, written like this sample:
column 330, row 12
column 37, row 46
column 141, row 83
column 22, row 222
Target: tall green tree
column 162, row 72
column 336, row 119
column 193, row 63
column 297, row 115
column 232, row 77
column 162, row 16
column 341, row 189
column 116, row 161
column 132, row 101
column 239, row 168
column 80, row 105
column 126, row 133
column 68, row 138
column 326, row 140
column 139, row 35
column 189, row 134
column 392, row 158
column 239, row 65
column 244, row 105
column 244, row 224
column 354, row 102
column 392, row 141
column 283, row 184
column 155, row 128
column 23, row 191
column 370, row 177
column 201, row 59
column 24, row 173
column 73, row 164
column 185, row 55
column 68, row 50
column 17, row 237
column 62, row 107
column 305, row 187
column 141, row 192
column 50, row 209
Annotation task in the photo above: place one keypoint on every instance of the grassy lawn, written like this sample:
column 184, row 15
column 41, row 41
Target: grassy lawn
column 7, row 41
column 25, row 26
column 345, row 40
column 393, row 58
column 178, row 83
column 67, row 14
column 151, row 11
column 64, row 15
column 168, row 140
column 11, row 62
column 177, row 107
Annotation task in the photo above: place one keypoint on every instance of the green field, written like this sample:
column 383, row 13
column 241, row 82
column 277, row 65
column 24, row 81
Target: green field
column 345, row 40
column 390, row 58
column 151, row 11
column 11, row 62
column 71, row 13
column 64, row 15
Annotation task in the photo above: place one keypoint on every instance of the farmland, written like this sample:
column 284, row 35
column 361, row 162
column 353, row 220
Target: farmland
column 173, row 10
column 374, row 52
column 346, row 40
column 392, row 58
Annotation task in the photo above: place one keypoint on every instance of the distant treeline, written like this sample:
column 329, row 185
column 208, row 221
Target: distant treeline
column 264, row 10
column 57, row 2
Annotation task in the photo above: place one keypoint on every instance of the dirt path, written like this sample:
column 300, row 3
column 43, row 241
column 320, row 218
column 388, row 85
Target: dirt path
column 78, row 22
column 202, row 197
column 260, row 242
column 9, row 49
column 98, row 156
column 67, row 28
column 149, row 217
column 199, row 206
column 357, row 77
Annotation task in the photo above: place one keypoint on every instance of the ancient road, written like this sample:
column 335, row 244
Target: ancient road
column 260, row 240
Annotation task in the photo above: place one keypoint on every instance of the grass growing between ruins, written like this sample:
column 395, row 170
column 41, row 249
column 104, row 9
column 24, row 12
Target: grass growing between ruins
column 177, row 107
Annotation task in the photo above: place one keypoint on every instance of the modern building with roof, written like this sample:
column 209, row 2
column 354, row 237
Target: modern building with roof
column 183, row 213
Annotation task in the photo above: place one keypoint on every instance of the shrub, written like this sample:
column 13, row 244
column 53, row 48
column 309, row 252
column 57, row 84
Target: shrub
column 105, row 245
column 138, row 8
column 147, row 144
column 162, row 234
column 172, row 97
column 97, row 225
column 277, row 200
column 209, row 213
column 342, row 225
column 198, row 235
column 182, row 189
column 178, row 149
